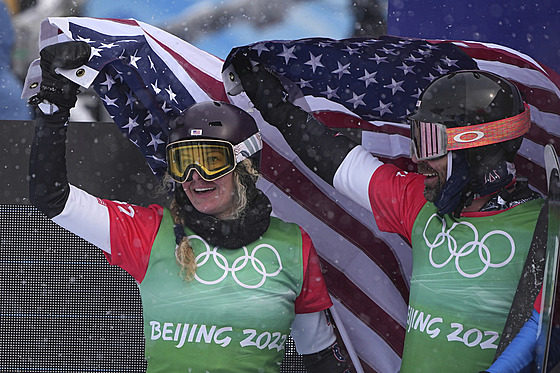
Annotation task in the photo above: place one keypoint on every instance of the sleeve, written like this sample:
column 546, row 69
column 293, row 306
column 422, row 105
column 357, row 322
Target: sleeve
column 314, row 295
column 396, row 198
column 87, row 217
column 125, row 232
column 518, row 356
column 133, row 231
column 353, row 176
column 48, row 181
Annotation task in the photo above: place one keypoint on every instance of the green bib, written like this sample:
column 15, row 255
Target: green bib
column 234, row 316
column 465, row 273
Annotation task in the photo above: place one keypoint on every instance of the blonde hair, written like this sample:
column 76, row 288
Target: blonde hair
column 245, row 176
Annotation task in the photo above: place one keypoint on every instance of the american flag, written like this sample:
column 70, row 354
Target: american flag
column 145, row 76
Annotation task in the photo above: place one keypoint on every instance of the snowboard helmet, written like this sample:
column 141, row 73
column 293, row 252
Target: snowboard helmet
column 211, row 137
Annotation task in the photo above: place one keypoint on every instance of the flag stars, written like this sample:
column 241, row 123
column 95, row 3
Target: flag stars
column 405, row 68
column 132, row 123
column 356, row 100
column 95, row 52
column 85, row 40
column 155, row 142
column 441, row 70
column 413, row 59
column 155, row 87
column 122, row 57
column 157, row 159
column 383, row 108
column 368, row 77
column 304, row 83
column 330, row 93
column 314, row 61
column 130, row 99
column 395, row 86
column 260, row 47
column 342, row 69
column 361, row 44
column 107, row 46
column 378, row 59
column 149, row 120
column 119, row 76
column 350, row 51
column 449, row 62
column 109, row 101
column 134, row 59
column 388, row 51
column 108, row 82
column 165, row 108
column 172, row 95
column 152, row 65
column 417, row 94
column 287, row 53
column 424, row 52
column 430, row 77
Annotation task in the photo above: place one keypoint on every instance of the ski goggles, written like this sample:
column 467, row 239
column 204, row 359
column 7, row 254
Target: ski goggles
column 212, row 159
column 433, row 140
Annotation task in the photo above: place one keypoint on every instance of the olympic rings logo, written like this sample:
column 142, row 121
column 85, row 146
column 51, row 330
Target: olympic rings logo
column 211, row 255
column 445, row 239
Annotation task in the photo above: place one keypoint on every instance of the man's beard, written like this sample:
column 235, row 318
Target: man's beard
column 431, row 193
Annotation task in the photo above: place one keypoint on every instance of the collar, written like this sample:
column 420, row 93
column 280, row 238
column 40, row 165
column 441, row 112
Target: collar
column 230, row 234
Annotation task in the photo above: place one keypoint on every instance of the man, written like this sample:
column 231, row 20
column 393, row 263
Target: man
column 469, row 220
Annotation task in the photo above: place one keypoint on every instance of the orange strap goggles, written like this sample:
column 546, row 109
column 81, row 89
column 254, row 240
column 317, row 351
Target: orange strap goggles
column 433, row 140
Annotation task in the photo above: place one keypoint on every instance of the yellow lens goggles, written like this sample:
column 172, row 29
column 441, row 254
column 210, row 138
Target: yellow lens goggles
column 211, row 158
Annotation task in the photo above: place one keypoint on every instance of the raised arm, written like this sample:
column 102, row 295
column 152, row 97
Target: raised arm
column 319, row 147
column 49, row 190
column 48, row 183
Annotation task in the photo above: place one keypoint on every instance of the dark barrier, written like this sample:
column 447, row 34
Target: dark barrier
column 63, row 308
column 100, row 160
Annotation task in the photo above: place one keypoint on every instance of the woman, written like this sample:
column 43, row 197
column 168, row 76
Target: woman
column 222, row 282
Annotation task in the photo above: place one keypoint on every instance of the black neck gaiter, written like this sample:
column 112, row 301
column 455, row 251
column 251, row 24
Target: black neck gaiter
column 230, row 234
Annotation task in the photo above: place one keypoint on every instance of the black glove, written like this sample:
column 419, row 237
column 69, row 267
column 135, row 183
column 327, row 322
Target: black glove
column 55, row 88
column 264, row 89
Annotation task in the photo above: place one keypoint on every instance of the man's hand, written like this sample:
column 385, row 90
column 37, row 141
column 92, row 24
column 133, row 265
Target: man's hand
column 262, row 86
